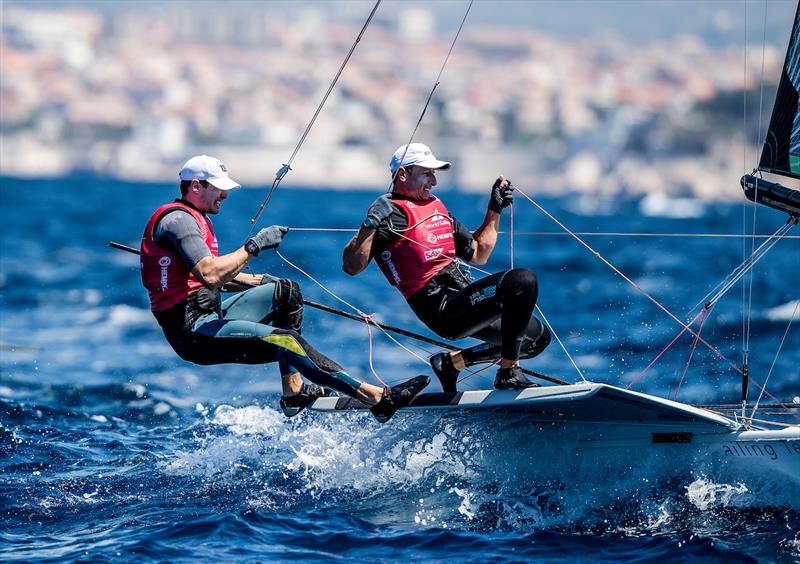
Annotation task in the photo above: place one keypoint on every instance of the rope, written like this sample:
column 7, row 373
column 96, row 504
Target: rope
column 749, row 284
column 430, row 96
column 722, row 288
column 367, row 319
column 549, row 325
column 794, row 313
column 288, row 165
column 351, row 306
column 659, row 355
column 631, row 282
column 511, row 233
column 691, row 353
column 581, row 233
column 744, row 171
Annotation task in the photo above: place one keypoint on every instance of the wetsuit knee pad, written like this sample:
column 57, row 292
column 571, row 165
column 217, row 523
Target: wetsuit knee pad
column 289, row 305
column 519, row 281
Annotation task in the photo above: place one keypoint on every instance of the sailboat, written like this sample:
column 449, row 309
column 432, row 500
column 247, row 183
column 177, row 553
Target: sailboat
column 598, row 415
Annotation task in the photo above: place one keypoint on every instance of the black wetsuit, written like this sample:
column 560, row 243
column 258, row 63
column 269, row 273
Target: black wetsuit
column 497, row 309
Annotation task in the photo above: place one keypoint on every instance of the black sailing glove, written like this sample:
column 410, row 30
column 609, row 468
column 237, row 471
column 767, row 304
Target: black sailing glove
column 502, row 195
column 268, row 238
column 380, row 210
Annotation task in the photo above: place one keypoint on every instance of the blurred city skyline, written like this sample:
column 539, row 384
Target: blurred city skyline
column 717, row 22
column 630, row 97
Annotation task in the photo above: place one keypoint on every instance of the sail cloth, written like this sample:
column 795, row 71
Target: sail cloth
column 781, row 152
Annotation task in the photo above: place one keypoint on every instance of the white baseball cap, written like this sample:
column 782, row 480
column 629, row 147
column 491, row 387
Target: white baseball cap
column 203, row 167
column 415, row 154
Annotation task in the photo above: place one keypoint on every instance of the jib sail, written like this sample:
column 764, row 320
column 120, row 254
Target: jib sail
column 781, row 152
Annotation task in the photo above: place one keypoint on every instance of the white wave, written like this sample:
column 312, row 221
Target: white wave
column 784, row 312
column 123, row 315
column 705, row 494
column 459, row 472
column 661, row 205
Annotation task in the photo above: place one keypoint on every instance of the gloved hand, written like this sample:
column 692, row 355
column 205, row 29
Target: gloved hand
column 268, row 238
column 378, row 212
column 502, row 195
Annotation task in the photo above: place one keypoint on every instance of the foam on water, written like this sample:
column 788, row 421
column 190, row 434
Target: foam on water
column 462, row 473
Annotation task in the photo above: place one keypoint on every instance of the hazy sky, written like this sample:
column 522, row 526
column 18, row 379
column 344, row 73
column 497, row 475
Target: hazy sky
column 718, row 21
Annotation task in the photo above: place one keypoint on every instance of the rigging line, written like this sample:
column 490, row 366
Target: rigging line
column 561, row 344
column 659, row 355
column 550, row 326
column 743, row 268
column 288, row 165
column 581, row 233
column 511, row 233
column 691, row 353
column 435, row 84
column 354, row 308
column 794, row 314
column 386, row 328
column 750, row 282
column 631, row 282
column 744, row 171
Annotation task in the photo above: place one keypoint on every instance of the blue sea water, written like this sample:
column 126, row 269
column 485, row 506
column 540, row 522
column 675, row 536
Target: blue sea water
column 113, row 449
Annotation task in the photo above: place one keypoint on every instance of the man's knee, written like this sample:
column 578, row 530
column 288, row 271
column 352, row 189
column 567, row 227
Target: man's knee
column 519, row 281
column 289, row 305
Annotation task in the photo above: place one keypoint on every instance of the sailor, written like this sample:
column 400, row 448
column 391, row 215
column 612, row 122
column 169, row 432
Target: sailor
column 184, row 274
column 418, row 245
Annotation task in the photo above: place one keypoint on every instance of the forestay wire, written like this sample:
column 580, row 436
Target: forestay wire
column 749, row 283
column 288, row 165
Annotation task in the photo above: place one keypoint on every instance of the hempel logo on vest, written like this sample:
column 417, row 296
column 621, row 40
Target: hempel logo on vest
column 386, row 256
column 164, row 262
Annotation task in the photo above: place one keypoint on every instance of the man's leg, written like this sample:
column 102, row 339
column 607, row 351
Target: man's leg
column 278, row 303
column 497, row 309
column 222, row 341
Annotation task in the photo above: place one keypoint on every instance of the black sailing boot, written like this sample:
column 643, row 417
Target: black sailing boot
column 512, row 378
column 442, row 364
column 308, row 394
column 398, row 396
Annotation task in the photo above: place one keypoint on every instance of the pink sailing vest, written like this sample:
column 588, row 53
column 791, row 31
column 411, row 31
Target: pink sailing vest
column 423, row 250
column 167, row 279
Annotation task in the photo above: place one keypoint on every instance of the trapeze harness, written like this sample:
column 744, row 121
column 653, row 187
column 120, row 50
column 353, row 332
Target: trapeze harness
column 257, row 326
column 421, row 263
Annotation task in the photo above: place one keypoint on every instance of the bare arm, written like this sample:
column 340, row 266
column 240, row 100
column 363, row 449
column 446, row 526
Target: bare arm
column 214, row 272
column 486, row 237
column 358, row 252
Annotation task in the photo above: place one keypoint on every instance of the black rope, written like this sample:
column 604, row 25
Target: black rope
column 288, row 165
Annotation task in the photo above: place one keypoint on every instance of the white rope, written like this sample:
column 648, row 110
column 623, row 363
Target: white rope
column 581, row 233
column 750, row 283
column 351, row 306
column 777, row 354
column 552, row 330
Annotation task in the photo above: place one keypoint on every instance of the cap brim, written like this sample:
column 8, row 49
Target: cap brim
column 223, row 183
column 434, row 164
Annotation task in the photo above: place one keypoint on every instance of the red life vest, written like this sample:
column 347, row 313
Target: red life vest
column 423, row 250
column 167, row 279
